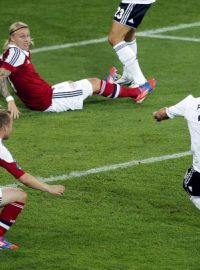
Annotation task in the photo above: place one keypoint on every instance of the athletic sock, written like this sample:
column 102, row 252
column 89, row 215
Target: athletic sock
column 117, row 91
column 133, row 46
column 8, row 216
column 128, row 58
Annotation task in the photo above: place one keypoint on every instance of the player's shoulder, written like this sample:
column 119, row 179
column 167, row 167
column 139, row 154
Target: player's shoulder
column 190, row 99
column 15, row 56
column 14, row 50
column 5, row 153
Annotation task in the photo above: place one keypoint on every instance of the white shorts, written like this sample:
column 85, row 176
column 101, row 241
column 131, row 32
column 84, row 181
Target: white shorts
column 70, row 96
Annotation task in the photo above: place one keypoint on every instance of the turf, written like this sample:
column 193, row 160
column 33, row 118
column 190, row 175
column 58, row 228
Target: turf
column 135, row 218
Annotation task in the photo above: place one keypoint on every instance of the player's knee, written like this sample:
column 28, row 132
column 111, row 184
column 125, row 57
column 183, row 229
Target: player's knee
column 112, row 39
column 96, row 84
column 22, row 196
column 116, row 37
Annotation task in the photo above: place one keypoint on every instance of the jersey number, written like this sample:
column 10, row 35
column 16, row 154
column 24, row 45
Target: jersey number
column 119, row 13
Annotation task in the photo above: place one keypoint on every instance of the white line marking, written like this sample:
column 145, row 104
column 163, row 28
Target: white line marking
column 130, row 163
column 148, row 33
column 69, row 45
column 171, row 28
column 173, row 38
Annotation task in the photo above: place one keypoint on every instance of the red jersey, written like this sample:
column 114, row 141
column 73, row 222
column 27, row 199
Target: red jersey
column 8, row 163
column 35, row 93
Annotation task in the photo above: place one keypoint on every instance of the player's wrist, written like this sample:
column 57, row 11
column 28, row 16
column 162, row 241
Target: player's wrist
column 9, row 98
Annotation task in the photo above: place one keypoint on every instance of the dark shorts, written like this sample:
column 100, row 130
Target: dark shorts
column 131, row 14
column 191, row 182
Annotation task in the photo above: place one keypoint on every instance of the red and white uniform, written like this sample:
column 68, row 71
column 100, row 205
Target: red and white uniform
column 35, row 93
column 8, row 163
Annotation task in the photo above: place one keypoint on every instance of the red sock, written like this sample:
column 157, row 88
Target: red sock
column 117, row 91
column 8, row 216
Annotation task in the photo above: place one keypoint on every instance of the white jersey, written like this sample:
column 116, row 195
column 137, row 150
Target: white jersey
column 138, row 1
column 189, row 108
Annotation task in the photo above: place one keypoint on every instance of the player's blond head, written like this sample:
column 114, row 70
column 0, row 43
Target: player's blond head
column 12, row 29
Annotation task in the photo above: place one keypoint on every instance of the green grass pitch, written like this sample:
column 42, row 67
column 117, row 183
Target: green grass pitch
column 135, row 218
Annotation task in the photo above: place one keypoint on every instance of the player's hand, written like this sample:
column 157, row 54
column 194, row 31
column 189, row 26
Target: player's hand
column 56, row 189
column 160, row 115
column 13, row 109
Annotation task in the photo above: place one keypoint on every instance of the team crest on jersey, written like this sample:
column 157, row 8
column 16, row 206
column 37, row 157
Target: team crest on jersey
column 73, row 85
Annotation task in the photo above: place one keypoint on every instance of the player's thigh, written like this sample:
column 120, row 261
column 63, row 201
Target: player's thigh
column 10, row 195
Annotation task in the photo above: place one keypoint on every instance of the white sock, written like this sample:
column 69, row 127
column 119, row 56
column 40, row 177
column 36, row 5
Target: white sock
column 133, row 45
column 129, row 60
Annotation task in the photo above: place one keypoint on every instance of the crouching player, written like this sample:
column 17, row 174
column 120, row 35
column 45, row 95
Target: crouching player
column 13, row 199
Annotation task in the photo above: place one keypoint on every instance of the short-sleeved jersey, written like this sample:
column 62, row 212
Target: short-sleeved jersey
column 138, row 1
column 189, row 108
column 34, row 92
column 8, row 163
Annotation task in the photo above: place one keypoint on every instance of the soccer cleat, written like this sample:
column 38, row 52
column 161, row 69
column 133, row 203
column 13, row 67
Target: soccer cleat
column 4, row 244
column 124, row 81
column 112, row 76
column 145, row 90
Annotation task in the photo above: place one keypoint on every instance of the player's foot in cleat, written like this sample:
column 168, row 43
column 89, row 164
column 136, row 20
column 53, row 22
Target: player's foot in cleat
column 4, row 244
column 145, row 90
column 112, row 76
column 124, row 81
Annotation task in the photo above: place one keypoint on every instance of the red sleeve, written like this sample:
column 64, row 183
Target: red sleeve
column 12, row 168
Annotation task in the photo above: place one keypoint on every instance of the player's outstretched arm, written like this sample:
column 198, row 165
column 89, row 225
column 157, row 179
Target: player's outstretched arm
column 32, row 182
column 160, row 115
column 5, row 93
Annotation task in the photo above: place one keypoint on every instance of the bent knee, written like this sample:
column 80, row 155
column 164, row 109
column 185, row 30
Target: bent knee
column 22, row 196
column 113, row 39
column 96, row 84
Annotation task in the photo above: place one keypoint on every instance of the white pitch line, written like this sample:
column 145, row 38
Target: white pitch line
column 171, row 37
column 113, row 167
column 148, row 33
column 171, row 28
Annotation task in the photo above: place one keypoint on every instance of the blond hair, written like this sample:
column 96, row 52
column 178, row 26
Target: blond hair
column 13, row 28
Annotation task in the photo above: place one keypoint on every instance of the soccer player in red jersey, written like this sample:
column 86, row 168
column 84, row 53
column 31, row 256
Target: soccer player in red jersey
column 38, row 94
column 13, row 199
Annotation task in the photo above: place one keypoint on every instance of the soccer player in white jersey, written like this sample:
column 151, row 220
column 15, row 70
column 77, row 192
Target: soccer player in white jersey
column 12, row 200
column 189, row 108
column 122, row 38
column 37, row 94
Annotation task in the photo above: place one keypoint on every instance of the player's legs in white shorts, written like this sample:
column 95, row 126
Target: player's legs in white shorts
column 70, row 95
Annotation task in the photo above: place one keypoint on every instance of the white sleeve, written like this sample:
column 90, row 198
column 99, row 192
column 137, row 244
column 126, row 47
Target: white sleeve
column 15, row 57
column 5, row 154
column 179, row 108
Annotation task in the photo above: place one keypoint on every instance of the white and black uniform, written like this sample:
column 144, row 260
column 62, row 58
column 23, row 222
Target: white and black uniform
column 131, row 12
column 189, row 108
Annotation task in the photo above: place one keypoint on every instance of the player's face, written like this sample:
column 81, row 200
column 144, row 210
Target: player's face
column 22, row 38
column 8, row 129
